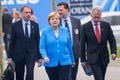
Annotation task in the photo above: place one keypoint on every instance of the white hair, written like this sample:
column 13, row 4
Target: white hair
column 96, row 8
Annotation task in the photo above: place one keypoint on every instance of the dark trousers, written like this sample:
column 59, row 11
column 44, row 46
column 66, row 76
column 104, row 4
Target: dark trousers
column 74, row 70
column 20, row 69
column 6, row 41
column 58, row 73
column 99, row 70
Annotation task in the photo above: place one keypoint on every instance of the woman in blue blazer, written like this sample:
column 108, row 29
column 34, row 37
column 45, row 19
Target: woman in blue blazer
column 56, row 49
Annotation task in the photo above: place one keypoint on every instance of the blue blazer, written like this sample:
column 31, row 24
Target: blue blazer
column 57, row 49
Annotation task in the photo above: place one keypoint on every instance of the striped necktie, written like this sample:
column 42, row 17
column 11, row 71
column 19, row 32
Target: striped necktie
column 67, row 26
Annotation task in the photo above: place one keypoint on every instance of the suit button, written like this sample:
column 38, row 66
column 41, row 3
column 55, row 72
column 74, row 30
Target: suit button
column 58, row 50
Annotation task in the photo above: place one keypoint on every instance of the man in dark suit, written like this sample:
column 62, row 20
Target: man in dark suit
column 24, row 45
column 6, row 27
column 74, row 26
column 93, row 44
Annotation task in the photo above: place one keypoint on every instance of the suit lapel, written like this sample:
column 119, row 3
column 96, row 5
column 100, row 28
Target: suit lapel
column 52, row 32
column 73, row 25
column 102, row 30
column 31, row 28
column 92, row 29
column 21, row 28
column 60, row 32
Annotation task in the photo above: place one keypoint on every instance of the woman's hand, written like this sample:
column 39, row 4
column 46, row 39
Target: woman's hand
column 73, row 64
column 46, row 59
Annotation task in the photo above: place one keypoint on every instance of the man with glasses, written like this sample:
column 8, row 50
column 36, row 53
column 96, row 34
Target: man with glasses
column 93, row 44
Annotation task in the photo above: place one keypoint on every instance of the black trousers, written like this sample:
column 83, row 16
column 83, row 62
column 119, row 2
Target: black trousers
column 74, row 70
column 58, row 73
column 99, row 70
column 20, row 67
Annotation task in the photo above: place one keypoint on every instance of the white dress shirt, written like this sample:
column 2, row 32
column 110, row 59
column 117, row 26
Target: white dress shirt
column 95, row 26
column 28, row 26
column 70, row 26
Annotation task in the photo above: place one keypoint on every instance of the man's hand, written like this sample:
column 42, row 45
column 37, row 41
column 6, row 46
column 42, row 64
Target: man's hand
column 83, row 63
column 9, row 61
column 3, row 34
column 73, row 64
column 113, row 56
column 39, row 62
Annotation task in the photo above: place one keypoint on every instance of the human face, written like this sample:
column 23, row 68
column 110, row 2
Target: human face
column 26, row 14
column 62, row 11
column 54, row 21
column 96, row 16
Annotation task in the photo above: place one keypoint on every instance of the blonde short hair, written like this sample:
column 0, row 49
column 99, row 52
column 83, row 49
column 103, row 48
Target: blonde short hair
column 52, row 14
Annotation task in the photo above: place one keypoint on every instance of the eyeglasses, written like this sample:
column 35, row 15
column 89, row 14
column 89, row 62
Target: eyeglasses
column 96, row 17
column 27, row 12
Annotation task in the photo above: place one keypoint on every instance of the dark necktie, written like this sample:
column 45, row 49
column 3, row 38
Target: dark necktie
column 26, row 30
column 97, row 33
column 67, row 26
column 66, row 23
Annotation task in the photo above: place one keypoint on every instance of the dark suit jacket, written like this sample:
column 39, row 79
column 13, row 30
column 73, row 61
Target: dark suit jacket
column 20, row 46
column 76, row 26
column 6, row 23
column 93, row 49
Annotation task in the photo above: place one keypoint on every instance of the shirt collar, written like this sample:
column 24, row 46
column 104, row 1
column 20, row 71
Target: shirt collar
column 23, row 21
column 94, row 23
column 68, row 19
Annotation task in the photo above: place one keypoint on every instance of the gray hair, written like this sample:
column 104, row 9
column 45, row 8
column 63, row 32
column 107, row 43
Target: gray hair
column 96, row 8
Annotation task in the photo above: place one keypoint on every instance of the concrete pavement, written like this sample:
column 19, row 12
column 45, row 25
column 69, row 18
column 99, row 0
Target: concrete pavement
column 113, row 71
